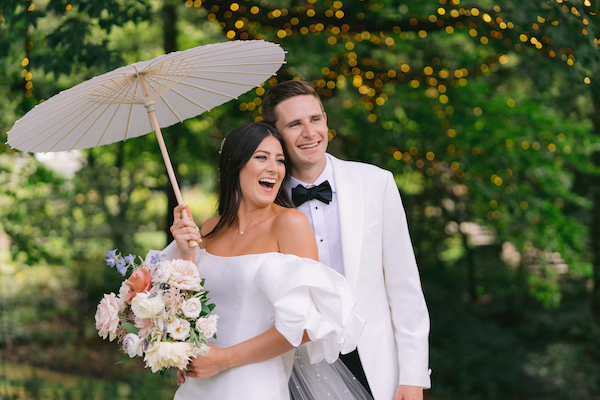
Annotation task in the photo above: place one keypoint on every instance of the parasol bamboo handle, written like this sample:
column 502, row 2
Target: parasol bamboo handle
column 170, row 172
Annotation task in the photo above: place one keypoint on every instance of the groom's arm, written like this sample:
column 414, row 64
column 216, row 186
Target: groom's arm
column 405, row 296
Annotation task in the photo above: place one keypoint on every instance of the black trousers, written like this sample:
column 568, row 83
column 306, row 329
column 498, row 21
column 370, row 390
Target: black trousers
column 352, row 361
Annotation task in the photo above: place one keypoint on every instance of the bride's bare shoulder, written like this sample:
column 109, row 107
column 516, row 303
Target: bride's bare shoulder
column 294, row 234
column 209, row 225
column 290, row 218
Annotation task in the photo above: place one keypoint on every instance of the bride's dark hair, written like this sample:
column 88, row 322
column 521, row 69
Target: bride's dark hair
column 236, row 150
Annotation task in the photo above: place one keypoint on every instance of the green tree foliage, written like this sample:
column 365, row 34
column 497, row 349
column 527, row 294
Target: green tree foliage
column 451, row 94
column 34, row 210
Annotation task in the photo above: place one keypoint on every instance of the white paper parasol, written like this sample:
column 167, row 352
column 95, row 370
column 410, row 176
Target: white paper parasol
column 168, row 89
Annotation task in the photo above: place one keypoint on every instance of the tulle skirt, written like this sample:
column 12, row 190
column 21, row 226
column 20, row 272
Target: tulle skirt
column 323, row 380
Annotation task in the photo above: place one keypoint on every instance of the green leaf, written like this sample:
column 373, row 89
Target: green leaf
column 130, row 327
column 194, row 338
column 127, row 358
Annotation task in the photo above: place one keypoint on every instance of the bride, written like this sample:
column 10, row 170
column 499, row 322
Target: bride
column 258, row 259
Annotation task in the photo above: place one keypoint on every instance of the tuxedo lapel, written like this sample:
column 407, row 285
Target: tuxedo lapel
column 350, row 208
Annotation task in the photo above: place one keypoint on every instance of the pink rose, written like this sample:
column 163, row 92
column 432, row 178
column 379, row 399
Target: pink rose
column 185, row 276
column 139, row 281
column 107, row 316
column 145, row 325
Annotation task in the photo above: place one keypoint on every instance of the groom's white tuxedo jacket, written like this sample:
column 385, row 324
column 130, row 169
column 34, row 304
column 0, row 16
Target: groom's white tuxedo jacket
column 380, row 267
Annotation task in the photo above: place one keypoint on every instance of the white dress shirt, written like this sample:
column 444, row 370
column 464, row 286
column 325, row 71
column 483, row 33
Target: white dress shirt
column 324, row 220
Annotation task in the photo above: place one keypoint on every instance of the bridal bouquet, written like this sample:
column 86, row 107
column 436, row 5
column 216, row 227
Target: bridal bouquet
column 161, row 312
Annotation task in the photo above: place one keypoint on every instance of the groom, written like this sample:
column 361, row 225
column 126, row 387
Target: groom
column 361, row 230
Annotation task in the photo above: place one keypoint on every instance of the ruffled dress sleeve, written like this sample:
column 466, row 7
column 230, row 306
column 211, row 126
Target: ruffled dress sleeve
column 307, row 295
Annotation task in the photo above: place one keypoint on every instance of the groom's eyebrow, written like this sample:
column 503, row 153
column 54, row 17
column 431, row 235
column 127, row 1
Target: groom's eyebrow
column 299, row 120
column 292, row 122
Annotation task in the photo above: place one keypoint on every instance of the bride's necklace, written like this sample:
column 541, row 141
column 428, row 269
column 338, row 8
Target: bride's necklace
column 253, row 222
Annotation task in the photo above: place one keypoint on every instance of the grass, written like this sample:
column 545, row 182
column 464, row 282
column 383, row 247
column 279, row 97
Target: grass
column 19, row 381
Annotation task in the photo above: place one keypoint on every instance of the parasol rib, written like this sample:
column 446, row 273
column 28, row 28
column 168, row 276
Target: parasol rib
column 237, row 56
column 168, row 105
column 72, row 129
column 208, row 90
column 125, row 95
column 235, row 72
column 251, row 85
column 240, row 65
column 190, row 100
column 52, row 134
column 213, row 55
column 109, row 122
column 171, row 108
column 52, row 111
column 128, row 121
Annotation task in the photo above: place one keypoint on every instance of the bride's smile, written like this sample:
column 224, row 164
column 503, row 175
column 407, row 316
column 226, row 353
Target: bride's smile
column 262, row 175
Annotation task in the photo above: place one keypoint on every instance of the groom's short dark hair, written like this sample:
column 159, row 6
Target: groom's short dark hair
column 282, row 92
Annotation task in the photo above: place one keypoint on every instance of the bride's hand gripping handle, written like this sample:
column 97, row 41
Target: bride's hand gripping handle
column 184, row 215
column 184, row 229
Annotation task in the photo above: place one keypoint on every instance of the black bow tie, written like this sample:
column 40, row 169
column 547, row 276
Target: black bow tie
column 323, row 193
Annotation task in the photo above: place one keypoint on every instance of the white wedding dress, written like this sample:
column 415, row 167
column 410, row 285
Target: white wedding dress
column 255, row 292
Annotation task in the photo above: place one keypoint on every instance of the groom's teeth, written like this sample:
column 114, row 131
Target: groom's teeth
column 308, row 146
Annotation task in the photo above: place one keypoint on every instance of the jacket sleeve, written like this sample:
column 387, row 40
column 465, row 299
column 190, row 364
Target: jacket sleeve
column 410, row 316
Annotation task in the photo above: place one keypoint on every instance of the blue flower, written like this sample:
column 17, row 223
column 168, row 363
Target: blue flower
column 130, row 259
column 156, row 258
column 121, row 267
column 111, row 258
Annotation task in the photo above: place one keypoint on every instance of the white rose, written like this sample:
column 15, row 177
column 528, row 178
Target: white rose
column 124, row 290
column 122, row 296
column 133, row 345
column 204, row 349
column 170, row 319
column 148, row 305
column 184, row 275
column 191, row 308
column 169, row 354
column 179, row 330
column 107, row 316
column 161, row 272
column 207, row 325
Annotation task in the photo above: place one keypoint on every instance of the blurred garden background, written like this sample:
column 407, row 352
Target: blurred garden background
column 487, row 113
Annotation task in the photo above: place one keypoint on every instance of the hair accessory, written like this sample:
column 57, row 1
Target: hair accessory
column 222, row 143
